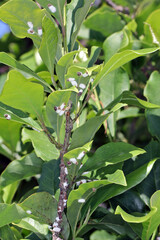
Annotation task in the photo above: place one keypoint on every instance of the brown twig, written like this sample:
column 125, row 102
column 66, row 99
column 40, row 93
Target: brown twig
column 118, row 8
column 57, row 225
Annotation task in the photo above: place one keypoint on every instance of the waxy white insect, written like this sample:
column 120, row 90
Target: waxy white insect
column 81, row 155
column 60, row 110
column 73, row 160
column 29, row 212
column 30, row 24
column 57, row 219
column 83, row 56
column 81, row 200
column 65, row 184
column 55, row 224
column 30, row 30
column 66, row 171
column 82, row 85
column 40, row 32
column 7, row 116
column 52, row 8
column 72, row 81
column 85, row 74
column 56, row 229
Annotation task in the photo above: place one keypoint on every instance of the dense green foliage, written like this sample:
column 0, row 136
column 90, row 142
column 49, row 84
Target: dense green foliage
column 80, row 120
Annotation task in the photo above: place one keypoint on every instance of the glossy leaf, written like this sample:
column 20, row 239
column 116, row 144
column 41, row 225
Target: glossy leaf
column 77, row 199
column 17, row 116
column 10, row 213
column 130, row 99
column 151, row 225
column 151, row 27
column 49, row 180
column 62, row 66
column 110, row 153
column 21, row 94
column 91, row 127
column 102, row 235
column 97, row 21
column 11, row 62
column 152, row 94
column 17, row 13
column 133, row 219
column 110, row 88
column 32, row 225
column 42, row 205
column 114, row 43
column 10, row 134
column 17, row 170
column 76, row 12
column 48, row 47
column 58, row 4
column 39, row 140
column 6, row 233
column 107, row 192
column 9, row 191
column 75, row 153
column 117, row 178
column 119, row 59
column 56, row 99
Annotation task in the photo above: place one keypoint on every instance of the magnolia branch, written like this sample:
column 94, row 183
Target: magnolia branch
column 118, row 8
column 57, row 225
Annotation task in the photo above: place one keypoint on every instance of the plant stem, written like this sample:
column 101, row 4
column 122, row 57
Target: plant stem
column 63, row 176
column 53, row 82
column 118, row 8
column 49, row 135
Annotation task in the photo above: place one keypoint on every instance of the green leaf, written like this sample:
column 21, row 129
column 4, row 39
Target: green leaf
column 11, row 62
column 21, row 94
column 6, row 233
column 32, row 225
column 73, row 168
column 7, row 60
column 10, row 133
column 102, row 235
column 74, row 204
column 9, row 192
column 151, row 27
column 152, row 94
column 110, row 222
column 49, row 180
column 152, row 224
column 97, row 21
column 17, row 170
column 56, row 99
column 48, row 47
column 133, row 219
column 91, row 126
column 10, row 213
column 17, row 116
column 62, row 66
column 119, row 59
column 107, row 192
column 117, row 178
column 129, row 112
column 17, row 13
column 110, row 153
column 58, row 4
column 110, row 88
column 76, row 12
column 42, row 205
column 39, row 140
column 130, row 99
column 114, row 43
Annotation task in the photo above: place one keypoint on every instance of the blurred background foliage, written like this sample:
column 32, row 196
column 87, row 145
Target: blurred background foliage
column 112, row 26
